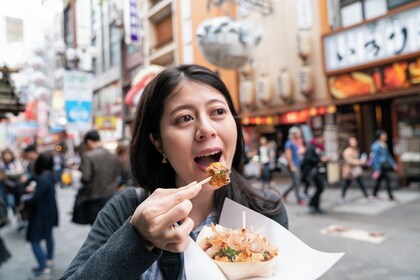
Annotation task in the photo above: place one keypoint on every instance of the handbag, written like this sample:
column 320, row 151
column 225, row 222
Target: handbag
column 356, row 171
column 386, row 166
column 4, row 217
column 80, row 208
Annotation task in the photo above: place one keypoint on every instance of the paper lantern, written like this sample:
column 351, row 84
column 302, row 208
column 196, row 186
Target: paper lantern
column 227, row 43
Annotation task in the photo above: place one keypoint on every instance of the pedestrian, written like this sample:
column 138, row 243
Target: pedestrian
column 42, row 215
column 14, row 174
column 4, row 252
column 101, row 173
column 292, row 156
column 352, row 169
column 123, row 155
column 264, row 153
column 382, row 163
column 313, row 163
column 185, row 120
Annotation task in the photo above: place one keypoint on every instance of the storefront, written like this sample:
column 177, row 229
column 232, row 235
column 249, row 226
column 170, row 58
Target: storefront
column 373, row 77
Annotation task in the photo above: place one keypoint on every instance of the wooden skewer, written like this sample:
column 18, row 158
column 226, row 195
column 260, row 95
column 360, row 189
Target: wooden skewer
column 205, row 181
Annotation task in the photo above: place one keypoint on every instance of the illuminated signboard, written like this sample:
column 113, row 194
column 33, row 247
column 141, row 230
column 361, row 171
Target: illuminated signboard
column 390, row 36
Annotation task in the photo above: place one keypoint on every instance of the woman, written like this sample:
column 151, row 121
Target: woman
column 382, row 163
column 291, row 150
column 12, row 183
column 352, row 169
column 185, row 120
column 43, row 214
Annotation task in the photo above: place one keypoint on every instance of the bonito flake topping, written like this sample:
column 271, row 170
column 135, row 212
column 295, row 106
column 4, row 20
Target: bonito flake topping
column 237, row 245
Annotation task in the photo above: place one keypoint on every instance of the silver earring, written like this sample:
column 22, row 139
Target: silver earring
column 165, row 159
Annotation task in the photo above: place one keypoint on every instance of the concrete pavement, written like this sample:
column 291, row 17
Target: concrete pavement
column 396, row 257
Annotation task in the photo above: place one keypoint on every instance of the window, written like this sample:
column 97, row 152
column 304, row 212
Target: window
column 392, row 4
column 114, row 45
column 356, row 11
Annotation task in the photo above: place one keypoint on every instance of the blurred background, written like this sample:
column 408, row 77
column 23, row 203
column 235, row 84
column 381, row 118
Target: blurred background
column 346, row 67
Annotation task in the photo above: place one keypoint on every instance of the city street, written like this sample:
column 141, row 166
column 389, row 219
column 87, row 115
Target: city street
column 390, row 252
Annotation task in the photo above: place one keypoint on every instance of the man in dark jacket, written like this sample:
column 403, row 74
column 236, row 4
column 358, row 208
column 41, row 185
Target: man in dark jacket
column 100, row 174
column 312, row 163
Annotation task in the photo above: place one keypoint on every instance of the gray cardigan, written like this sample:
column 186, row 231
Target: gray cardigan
column 113, row 249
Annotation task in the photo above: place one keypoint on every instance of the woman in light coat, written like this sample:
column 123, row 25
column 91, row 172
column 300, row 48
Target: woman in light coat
column 352, row 168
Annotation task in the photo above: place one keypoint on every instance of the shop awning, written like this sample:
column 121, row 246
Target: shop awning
column 140, row 81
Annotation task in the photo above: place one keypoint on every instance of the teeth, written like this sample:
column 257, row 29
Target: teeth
column 209, row 154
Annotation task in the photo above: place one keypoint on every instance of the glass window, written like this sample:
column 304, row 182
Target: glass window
column 392, row 4
column 374, row 8
column 351, row 14
column 114, row 45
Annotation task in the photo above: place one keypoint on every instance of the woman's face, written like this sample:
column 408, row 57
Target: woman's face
column 383, row 137
column 197, row 128
column 7, row 157
column 353, row 142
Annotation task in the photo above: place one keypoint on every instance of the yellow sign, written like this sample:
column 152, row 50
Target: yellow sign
column 106, row 123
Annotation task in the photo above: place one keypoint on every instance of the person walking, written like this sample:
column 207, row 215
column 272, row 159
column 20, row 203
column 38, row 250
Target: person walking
column 42, row 214
column 313, row 162
column 101, row 173
column 292, row 156
column 264, row 153
column 185, row 120
column 352, row 169
column 382, row 163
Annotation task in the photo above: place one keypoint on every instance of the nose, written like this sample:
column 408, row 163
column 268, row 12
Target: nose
column 205, row 130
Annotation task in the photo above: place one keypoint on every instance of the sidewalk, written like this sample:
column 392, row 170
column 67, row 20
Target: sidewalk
column 68, row 239
column 396, row 256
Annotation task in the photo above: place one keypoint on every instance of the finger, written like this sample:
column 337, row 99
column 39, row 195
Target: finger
column 169, row 201
column 178, row 247
column 175, row 214
column 160, row 201
column 176, row 237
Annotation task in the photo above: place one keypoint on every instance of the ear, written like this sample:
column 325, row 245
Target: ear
column 156, row 141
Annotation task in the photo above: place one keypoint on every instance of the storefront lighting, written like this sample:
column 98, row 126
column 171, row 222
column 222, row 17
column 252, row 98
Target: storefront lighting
column 331, row 109
column 270, row 120
column 313, row 111
column 245, row 120
column 257, row 120
column 322, row 110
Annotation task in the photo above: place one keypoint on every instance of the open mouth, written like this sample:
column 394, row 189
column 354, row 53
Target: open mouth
column 205, row 160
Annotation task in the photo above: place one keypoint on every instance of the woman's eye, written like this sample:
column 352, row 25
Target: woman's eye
column 219, row 111
column 184, row 119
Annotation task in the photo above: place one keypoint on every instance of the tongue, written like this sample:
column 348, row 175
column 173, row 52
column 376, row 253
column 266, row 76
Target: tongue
column 205, row 161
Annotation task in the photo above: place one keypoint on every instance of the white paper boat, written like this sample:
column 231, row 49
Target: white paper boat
column 295, row 261
column 240, row 270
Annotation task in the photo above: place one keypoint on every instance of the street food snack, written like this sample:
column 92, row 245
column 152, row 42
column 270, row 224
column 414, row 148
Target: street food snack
column 239, row 253
column 351, row 85
column 219, row 174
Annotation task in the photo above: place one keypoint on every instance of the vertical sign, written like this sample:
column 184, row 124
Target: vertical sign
column 131, row 22
column 78, row 99
column 304, row 14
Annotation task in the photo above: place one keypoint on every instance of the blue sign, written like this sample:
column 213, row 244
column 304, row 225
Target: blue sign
column 78, row 111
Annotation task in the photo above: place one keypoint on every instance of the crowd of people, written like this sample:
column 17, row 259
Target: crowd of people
column 306, row 163
column 28, row 189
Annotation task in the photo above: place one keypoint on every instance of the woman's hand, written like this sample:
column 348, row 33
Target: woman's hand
column 154, row 219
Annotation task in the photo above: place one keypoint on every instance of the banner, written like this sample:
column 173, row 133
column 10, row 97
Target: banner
column 78, row 94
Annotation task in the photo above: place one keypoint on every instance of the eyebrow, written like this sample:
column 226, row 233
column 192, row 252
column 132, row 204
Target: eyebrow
column 190, row 106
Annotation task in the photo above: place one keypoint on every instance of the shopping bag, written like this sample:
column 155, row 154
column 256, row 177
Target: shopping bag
column 80, row 208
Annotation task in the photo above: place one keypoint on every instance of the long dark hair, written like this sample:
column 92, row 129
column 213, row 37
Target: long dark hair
column 44, row 162
column 146, row 160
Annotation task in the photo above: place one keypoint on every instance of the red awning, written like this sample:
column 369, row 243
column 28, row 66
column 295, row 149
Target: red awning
column 139, row 82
